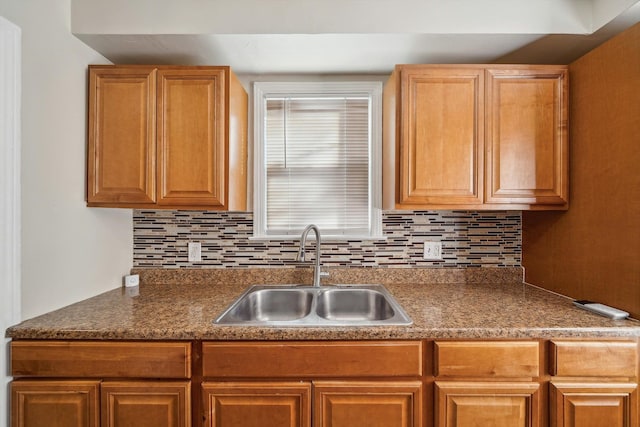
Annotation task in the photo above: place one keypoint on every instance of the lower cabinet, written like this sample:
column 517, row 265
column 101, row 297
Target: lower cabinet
column 100, row 384
column 594, row 405
column 384, row 383
column 496, row 404
column 594, row 383
column 250, row 404
column 94, row 403
column 145, row 404
column 55, row 403
column 306, row 383
column 367, row 404
column 487, row 383
column 335, row 404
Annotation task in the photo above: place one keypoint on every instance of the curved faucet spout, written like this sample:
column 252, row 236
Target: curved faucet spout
column 301, row 251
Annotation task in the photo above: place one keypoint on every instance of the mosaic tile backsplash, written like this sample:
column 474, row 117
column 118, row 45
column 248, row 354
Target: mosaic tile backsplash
column 469, row 239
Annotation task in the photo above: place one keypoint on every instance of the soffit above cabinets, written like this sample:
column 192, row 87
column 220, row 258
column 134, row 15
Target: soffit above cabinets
column 346, row 36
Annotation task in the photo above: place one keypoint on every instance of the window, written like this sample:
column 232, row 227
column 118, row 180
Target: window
column 317, row 158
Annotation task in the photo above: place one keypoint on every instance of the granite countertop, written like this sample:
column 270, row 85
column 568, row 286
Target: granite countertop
column 181, row 305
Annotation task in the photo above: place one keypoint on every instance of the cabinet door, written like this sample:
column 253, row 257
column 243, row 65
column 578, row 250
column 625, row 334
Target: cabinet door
column 54, row 403
column 441, row 134
column 192, row 143
column 594, row 405
column 527, row 148
column 146, row 404
column 367, row 404
column 121, row 141
column 246, row 404
column 496, row 404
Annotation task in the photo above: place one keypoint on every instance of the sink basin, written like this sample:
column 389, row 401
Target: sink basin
column 354, row 305
column 268, row 305
column 297, row 305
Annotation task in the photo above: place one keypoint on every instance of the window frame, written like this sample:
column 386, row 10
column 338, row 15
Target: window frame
column 370, row 89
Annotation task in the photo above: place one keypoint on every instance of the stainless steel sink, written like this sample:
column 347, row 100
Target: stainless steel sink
column 297, row 305
column 271, row 305
column 354, row 305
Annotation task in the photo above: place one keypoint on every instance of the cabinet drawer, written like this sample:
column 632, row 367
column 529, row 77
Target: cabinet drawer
column 594, row 358
column 312, row 359
column 487, row 359
column 58, row 359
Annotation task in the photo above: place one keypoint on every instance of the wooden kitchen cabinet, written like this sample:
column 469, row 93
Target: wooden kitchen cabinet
column 53, row 403
column 90, row 383
column 122, row 136
column 354, row 383
column 145, row 403
column 594, row 383
column 441, row 123
column 487, row 383
column 262, row 404
column 603, row 404
column 499, row 404
column 335, row 404
column 389, row 383
column 475, row 137
column 73, row 403
column 527, row 142
column 367, row 404
column 166, row 137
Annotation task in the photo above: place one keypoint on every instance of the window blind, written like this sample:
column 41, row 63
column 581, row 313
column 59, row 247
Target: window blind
column 317, row 155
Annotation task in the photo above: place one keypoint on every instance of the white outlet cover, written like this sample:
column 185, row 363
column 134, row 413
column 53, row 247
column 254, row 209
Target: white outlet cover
column 195, row 252
column 432, row 250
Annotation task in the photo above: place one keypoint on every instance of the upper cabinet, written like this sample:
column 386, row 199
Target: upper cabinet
column 166, row 137
column 476, row 137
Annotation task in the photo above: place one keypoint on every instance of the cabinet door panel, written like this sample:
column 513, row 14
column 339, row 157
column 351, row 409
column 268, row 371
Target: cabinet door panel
column 54, row 403
column 248, row 404
column 368, row 404
column 121, row 149
column 146, row 404
column 527, row 145
column 478, row 404
column 192, row 142
column 441, row 136
column 594, row 405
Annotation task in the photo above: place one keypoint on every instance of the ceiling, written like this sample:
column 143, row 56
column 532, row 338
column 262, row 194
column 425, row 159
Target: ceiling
column 346, row 36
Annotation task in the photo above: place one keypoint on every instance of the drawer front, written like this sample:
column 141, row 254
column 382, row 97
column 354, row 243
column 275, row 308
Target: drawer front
column 594, row 358
column 509, row 359
column 312, row 359
column 58, row 359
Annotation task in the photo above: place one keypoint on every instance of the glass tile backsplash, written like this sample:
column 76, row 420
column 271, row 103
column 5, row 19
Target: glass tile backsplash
column 469, row 239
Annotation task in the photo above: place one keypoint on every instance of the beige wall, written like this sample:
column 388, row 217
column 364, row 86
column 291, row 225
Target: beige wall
column 69, row 252
column 593, row 250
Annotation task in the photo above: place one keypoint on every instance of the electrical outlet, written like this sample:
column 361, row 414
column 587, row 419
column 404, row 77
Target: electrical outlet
column 131, row 280
column 432, row 250
column 195, row 252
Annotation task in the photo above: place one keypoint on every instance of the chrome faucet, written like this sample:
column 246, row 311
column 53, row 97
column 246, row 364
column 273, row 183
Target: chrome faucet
column 303, row 239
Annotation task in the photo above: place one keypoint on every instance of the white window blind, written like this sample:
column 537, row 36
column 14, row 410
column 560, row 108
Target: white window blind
column 317, row 164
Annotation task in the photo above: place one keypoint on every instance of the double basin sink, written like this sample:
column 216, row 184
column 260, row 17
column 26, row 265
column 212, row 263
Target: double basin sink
column 297, row 305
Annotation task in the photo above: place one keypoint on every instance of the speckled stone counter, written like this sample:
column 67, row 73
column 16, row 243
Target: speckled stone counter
column 481, row 303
